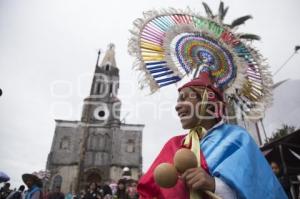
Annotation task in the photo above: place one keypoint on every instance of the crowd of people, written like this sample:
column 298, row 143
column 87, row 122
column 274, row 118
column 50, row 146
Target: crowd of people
column 123, row 189
column 7, row 193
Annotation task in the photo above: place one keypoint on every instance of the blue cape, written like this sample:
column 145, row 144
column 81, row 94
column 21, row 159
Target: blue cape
column 233, row 156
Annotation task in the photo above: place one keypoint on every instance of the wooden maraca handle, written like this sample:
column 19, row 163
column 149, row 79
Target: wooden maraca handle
column 213, row 195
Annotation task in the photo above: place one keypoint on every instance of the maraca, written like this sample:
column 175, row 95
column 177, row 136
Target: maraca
column 184, row 159
column 165, row 175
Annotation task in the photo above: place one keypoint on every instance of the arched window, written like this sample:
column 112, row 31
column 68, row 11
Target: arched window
column 92, row 142
column 93, row 177
column 99, row 88
column 107, row 67
column 111, row 89
column 130, row 148
column 65, row 143
column 103, row 142
column 57, row 181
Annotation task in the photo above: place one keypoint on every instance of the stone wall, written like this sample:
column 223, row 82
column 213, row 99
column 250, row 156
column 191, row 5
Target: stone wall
column 69, row 178
column 127, row 150
column 65, row 147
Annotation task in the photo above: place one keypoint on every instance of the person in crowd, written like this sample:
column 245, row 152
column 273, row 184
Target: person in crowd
column 19, row 194
column 46, row 193
column 56, row 194
column 69, row 195
column 34, row 185
column 75, row 196
column 92, row 192
column 284, row 181
column 106, row 192
column 81, row 194
column 5, row 191
column 121, row 190
column 113, row 186
column 132, row 191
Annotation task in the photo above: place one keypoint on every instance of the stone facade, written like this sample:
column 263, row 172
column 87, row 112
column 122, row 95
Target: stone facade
column 99, row 146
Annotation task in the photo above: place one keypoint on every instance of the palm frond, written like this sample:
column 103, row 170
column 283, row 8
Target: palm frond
column 208, row 10
column 249, row 36
column 240, row 21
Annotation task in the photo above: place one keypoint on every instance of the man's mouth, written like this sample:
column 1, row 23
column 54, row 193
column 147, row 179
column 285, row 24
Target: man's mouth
column 183, row 115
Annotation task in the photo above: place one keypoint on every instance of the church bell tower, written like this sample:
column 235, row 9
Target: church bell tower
column 103, row 106
column 99, row 146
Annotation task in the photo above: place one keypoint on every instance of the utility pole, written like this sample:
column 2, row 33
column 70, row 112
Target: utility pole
column 288, row 59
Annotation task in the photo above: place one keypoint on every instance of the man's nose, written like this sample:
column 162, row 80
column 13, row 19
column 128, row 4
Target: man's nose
column 178, row 106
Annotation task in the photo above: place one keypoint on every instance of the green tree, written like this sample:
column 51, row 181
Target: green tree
column 281, row 132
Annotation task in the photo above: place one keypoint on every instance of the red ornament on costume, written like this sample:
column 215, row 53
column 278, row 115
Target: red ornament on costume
column 204, row 80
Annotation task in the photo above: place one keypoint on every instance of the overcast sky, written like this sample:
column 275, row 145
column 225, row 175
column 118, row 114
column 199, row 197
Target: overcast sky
column 48, row 51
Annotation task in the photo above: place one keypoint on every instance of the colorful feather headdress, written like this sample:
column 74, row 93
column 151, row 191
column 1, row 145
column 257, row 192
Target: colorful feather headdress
column 171, row 44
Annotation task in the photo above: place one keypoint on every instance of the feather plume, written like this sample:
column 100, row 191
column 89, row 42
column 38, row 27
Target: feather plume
column 249, row 36
column 240, row 21
column 208, row 10
column 225, row 12
column 221, row 8
column 222, row 12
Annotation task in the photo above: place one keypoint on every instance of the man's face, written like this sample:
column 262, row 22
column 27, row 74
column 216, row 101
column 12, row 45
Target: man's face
column 275, row 168
column 121, row 186
column 188, row 108
column 93, row 186
column 6, row 186
column 29, row 182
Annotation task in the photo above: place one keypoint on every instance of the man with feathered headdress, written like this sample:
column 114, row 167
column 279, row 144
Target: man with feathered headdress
column 171, row 44
column 232, row 166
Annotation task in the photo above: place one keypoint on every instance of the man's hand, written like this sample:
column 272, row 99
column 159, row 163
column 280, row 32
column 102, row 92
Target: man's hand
column 197, row 179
